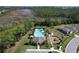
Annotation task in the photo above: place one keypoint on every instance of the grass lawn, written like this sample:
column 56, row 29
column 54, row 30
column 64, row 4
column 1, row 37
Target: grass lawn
column 77, row 33
column 24, row 47
column 77, row 49
column 66, row 40
column 57, row 33
column 20, row 47
column 45, row 47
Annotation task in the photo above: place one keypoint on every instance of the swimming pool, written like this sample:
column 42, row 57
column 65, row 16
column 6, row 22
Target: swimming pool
column 39, row 33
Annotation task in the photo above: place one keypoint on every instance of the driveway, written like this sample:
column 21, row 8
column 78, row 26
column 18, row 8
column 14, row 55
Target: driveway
column 72, row 45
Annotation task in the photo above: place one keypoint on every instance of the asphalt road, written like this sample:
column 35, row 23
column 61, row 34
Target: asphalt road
column 72, row 45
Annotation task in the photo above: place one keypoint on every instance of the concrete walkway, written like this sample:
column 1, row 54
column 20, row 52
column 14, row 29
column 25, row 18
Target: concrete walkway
column 38, row 50
column 42, row 51
column 38, row 47
column 72, row 45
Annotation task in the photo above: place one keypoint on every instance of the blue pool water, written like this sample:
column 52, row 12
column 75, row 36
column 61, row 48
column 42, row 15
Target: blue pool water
column 39, row 33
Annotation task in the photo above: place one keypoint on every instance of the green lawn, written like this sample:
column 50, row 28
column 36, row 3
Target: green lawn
column 66, row 40
column 45, row 46
column 77, row 49
column 77, row 33
column 57, row 33
column 20, row 47
column 20, row 44
column 23, row 48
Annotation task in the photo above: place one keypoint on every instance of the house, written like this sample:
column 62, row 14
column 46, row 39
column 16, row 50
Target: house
column 69, row 29
column 38, row 36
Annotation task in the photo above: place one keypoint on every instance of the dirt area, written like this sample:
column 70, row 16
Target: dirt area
column 53, row 39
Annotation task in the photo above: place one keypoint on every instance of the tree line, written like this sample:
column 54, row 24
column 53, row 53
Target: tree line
column 9, row 37
column 56, row 16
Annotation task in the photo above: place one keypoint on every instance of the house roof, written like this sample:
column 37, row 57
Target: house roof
column 38, row 40
column 70, row 28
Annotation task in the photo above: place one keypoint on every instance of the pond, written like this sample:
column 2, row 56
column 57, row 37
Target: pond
column 25, row 11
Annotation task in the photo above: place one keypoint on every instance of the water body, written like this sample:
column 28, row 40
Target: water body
column 25, row 11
